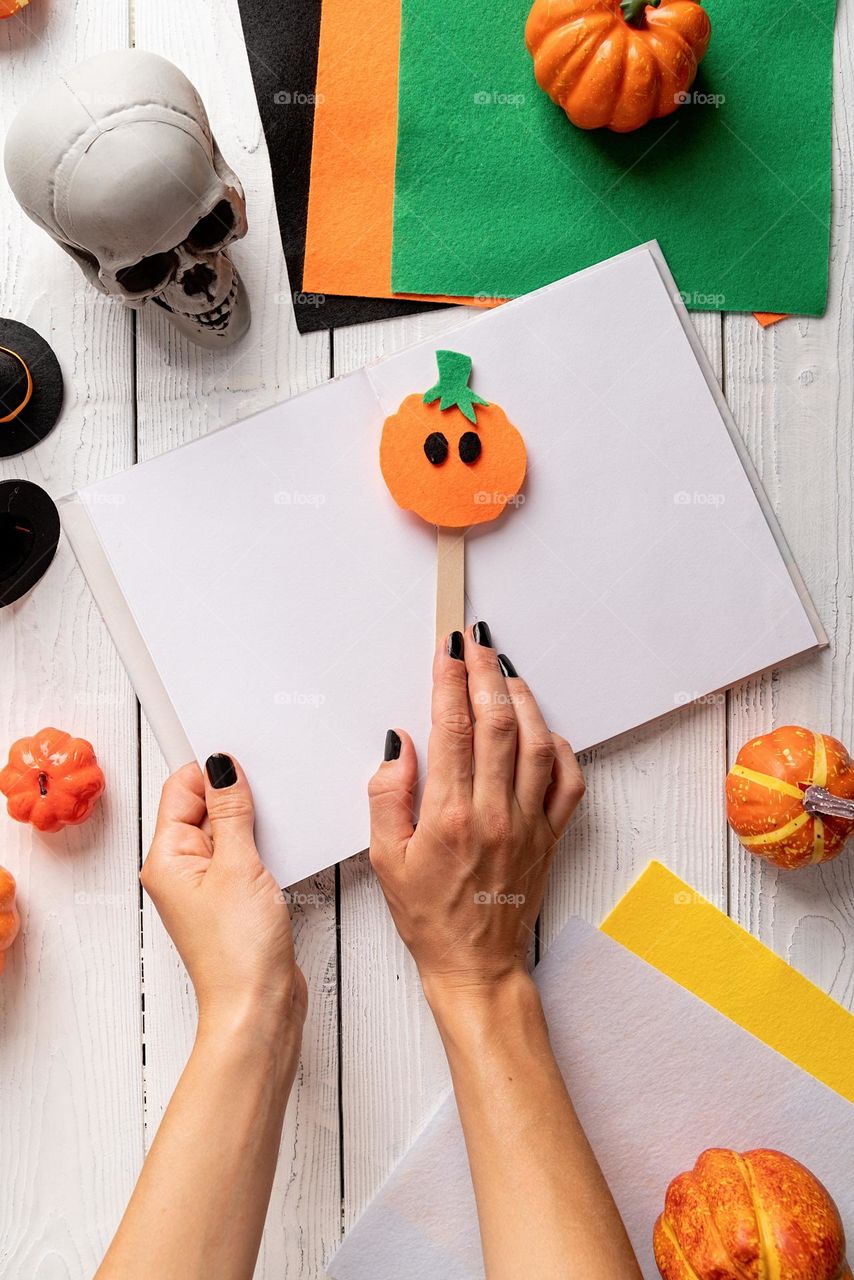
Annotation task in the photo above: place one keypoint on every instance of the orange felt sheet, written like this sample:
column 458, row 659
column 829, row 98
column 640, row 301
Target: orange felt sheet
column 351, row 195
column 767, row 318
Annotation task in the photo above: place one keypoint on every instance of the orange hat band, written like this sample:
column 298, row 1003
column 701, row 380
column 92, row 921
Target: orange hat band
column 29, row 391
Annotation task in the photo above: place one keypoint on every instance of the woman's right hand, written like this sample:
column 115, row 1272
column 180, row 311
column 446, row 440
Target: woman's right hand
column 465, row 887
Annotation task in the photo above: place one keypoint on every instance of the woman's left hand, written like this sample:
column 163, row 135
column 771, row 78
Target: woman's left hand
column 220, row 905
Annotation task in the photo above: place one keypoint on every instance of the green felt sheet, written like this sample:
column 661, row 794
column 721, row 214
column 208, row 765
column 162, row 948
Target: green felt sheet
column 496, row 193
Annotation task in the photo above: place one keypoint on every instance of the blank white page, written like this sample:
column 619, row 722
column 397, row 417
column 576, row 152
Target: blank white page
column 287, row 602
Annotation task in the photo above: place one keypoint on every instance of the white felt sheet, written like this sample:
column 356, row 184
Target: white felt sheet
column 287, row 603
column 656, row 1077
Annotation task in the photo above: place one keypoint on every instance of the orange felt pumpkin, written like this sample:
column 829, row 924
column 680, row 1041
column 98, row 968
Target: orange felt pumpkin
column 8, row 8
column 52, row 780
column 744, row 1217
column 448, row 455
column 10, row 921
column 773, row 800
column 616, row 65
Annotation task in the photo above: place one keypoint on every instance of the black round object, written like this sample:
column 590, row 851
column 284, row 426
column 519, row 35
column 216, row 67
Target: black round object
column 469, row 447
column 29, row 534
column 30, row 387
column 436, row 448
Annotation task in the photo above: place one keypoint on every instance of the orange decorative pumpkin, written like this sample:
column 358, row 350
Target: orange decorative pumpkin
column 749, row 1217
column 10, row 921
column 52, row 780
column 448, row 455
column 8, row 8
column 616, row 65
column 788, row 794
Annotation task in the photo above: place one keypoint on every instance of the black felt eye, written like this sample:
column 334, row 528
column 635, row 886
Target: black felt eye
column 436, row 448
column 470, row 447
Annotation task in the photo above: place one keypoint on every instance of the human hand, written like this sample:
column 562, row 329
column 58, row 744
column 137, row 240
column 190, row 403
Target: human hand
column 221, row 907
column 465, row 887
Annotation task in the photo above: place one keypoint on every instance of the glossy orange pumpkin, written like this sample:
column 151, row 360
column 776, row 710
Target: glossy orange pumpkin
column 52, row 780
column 448, row 455
column 10, row 921
column 766, row 789
column 616, row 66
column 745, row 1217
column 8, row 8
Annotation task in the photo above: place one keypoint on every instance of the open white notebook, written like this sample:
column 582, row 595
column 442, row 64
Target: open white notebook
column 269, row 598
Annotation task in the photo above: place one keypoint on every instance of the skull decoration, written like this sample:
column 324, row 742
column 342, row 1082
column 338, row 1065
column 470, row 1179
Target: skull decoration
column 116, row 161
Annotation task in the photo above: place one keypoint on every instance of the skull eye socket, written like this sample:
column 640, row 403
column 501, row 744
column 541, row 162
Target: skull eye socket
column 469, row 447
column 214, row 228
column 148, row 274
column 436, row 448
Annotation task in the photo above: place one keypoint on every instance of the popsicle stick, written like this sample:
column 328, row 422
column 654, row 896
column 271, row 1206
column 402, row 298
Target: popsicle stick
column 450, row 581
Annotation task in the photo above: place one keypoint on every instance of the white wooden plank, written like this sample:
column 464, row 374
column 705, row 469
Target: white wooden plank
column 183, row 393
column 792, row 390
column 70, row 1061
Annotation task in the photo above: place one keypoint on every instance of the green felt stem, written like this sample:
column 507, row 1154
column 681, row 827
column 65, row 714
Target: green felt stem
column 633, row 10
column 452, row 390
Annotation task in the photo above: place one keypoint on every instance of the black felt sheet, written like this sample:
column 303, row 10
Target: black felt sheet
column 282, row 38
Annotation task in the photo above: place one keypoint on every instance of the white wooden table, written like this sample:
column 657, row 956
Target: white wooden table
column 96, row 1014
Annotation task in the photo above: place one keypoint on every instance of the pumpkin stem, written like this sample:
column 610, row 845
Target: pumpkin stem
column 633, row 10
column 43, row 783
column 452, row 390
column 820, row 800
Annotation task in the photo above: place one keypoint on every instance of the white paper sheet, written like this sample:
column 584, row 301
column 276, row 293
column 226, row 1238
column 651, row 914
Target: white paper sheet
column 287, row 603
column 656, row 1076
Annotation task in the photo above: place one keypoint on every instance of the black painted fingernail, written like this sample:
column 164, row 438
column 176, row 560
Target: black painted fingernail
column 507, row 668
column 221, row 771
column 392, row 745
column 482, row 634
column 455, row 645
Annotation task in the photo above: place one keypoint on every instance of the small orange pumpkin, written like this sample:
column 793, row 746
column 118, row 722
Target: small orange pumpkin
column 752, row 1215
column 787, row 795
column 448, row 455
column 8, row 8
column 52, row 780
column 616, row 65
column 10, row 921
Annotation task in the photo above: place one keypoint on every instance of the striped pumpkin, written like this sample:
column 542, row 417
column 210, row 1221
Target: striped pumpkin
column 756, row 1216
column 765, row 793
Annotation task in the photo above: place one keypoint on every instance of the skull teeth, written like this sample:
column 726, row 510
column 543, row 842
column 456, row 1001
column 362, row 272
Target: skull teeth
column 219, row 317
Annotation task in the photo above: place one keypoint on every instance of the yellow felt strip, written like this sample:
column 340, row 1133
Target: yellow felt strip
column 774, row 837
column 670, row 926
column 819, row 761
column 766, row 780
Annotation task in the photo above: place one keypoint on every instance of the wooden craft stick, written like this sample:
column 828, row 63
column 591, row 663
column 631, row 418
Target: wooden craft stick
column 450, row 581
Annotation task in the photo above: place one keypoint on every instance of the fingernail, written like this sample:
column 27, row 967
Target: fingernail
column 221, row 771
column 507, row 668
column 392, row 745
column 482, row 634
column 455, row 645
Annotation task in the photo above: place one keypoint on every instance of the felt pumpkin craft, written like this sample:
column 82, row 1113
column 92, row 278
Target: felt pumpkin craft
column 789, row 796
column 616, row 65
column 455, row 460
column 448, row 455
column 8, row 8
column 10, row 921
column 52, row 780
column 760, row 1214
